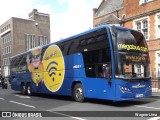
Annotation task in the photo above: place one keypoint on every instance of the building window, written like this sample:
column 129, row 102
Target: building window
column 30, row 41
column 43, row 40
column 6, row 38
column 139, row 26
column 6, row 50
column 157, row 25
column 6, row 61
column 139, row 70
column 157, row 62
column 145, row 1
column 141, row 2
column 5, row 28
column 158, row 70
column 142, row 26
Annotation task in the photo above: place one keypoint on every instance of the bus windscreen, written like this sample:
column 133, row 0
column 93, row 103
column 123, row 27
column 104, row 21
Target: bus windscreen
column 131, row 55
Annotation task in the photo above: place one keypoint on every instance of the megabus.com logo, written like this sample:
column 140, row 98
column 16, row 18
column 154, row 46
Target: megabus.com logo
column 132, row 47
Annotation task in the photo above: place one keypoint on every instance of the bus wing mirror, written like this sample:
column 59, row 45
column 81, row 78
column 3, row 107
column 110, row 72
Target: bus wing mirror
column 109, row 76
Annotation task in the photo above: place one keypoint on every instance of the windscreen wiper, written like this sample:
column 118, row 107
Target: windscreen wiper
column 133, row 75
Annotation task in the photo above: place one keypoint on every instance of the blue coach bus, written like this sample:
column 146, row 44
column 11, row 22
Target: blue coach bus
column 107, row 62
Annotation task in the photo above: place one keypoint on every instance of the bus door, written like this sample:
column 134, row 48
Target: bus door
column 98, row 80
column 97, row 68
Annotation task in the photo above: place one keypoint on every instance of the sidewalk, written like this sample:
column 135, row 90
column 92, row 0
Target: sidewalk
column 156, row 94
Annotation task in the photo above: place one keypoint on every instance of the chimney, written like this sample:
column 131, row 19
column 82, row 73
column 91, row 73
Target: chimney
column 94, row 12
column 33, row 14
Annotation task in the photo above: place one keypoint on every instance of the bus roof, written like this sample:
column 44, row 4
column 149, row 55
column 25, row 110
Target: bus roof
column 74, row 36
column 82, row 33
column 88, row 31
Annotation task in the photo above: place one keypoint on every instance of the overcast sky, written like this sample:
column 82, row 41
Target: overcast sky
column 67, row 17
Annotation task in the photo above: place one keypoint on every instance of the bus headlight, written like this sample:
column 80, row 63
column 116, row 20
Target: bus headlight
column 125, row 89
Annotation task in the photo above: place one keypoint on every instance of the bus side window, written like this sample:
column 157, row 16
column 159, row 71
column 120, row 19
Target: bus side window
column 106, row 70
column 17, row 61
column 100, row 70
column 90, row 71
column 43, row 51
column 62, row 47
column 12, row 61
column 23, row 60
column 103, row 70
column 69, row 48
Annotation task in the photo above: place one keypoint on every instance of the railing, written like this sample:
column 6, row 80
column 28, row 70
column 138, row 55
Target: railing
column 155, row 82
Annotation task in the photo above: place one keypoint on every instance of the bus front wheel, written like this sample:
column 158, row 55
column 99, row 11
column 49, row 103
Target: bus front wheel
column 78, row 93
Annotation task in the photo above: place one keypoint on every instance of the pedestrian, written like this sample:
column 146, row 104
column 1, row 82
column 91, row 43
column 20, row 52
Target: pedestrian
column 1, row 80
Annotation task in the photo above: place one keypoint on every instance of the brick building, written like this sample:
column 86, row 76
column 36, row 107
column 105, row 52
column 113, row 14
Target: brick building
column 18, row 35
column 142, row 15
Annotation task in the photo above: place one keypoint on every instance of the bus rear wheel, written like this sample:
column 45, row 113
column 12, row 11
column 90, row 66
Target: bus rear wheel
column 29, row 89
column 78, row 93
column 23, row 89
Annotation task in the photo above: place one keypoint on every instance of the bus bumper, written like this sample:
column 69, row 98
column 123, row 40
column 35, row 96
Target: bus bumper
column 129, row 95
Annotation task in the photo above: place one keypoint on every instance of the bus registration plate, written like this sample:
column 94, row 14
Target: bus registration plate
column 139, row 95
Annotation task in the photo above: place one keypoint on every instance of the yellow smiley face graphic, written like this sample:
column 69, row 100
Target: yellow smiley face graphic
column 53, row 62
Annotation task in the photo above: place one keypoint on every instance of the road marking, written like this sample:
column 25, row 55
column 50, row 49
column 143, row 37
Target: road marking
column 154, row 118
column 21, row 96
column 2, row 99
column 69, row 116
column 148, row 107
column 22, row 104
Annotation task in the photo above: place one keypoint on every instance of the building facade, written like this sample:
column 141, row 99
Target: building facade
column 142, row 15
column 107, row 12
column 18, row 35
